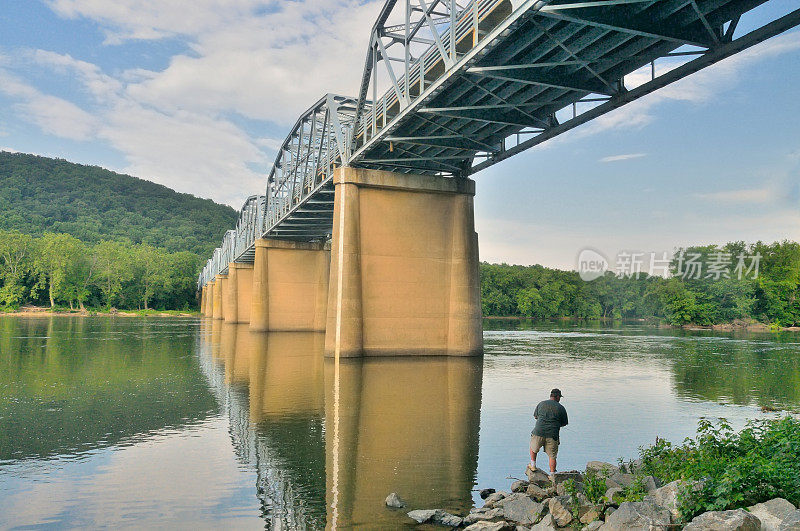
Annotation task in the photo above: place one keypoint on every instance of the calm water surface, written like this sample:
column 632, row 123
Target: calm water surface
column 188, row 423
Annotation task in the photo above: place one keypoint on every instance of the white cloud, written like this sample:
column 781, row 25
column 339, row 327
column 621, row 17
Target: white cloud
column 626, row 156
column 8, row 149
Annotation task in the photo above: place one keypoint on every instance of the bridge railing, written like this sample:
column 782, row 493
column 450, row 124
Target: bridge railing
column 427, row 38
column 318, row 142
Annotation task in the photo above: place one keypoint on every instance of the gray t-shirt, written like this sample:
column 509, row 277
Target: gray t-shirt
column 550, row 416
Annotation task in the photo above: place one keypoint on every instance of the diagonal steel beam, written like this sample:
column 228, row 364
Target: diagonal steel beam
column 626, row 25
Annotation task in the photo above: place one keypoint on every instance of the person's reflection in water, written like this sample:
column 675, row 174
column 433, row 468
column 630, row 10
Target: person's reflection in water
column 405, row 425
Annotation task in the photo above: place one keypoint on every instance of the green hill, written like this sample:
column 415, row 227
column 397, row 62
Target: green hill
column 39, row 194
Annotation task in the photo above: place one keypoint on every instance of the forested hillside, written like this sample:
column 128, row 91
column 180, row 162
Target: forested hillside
column 39, row 195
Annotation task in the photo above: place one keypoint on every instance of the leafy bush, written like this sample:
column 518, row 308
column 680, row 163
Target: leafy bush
column 594, row 486
column 735, row 470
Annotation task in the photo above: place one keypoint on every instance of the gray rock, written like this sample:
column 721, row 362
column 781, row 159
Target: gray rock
column 482, row 516
column 559, row 509
column 650, row 483
column 609, row 511
column 631, row 467
column 538, row 476
column 522, row 528
column 772, row 513
column 561, row 490
column 521, row 509
column 613, row 491
column 548, row 523
column 422, row 515
column 561, row 477
column 622, row 479
column 435, row 516
column 667, row 496
column 600, row 467
column 588, row 514
column 494, row 498
column 594, row 526
column 489, row 526
column 446, row 519
column 519, row 486
column 393, row 500
column 791, row 522
column 645, row 516
column 538, row 493
column 486, row 492
column 737, row 520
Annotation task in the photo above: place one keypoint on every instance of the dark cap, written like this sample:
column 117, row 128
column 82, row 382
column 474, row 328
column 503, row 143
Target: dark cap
column 556, row 392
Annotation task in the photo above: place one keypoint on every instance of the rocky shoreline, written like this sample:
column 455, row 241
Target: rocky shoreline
column 599, row 498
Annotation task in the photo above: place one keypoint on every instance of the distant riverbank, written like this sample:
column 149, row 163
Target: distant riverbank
column 33, row 311
column 737, row 325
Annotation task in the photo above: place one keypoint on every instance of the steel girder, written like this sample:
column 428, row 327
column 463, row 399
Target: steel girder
column 451, row 87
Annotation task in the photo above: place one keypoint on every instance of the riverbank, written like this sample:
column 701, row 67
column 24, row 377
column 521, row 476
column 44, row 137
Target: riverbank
column 737, row 325
column 721, row 480
column 39, row 311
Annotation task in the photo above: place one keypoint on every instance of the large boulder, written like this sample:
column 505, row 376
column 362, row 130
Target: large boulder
column 667, row 496
column 735, row 520
column 435, row 516
column 538, row 493
column 422, row 515
column 482, row 515
column 791, row 522
column 772, row 513
column 490, row 526
column 593, row 526
column 521, row 508
column 561, row 477
column 620, row 479
column 559, row 508
column 645, row 516
column 494, row 498
column 538, row 477
column 548, row 523
column 600, row 467
column 519, row 486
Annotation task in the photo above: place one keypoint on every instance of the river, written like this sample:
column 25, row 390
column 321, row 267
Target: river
column 170, row 422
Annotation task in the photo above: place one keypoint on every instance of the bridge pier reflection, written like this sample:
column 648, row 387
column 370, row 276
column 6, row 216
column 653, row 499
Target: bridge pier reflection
column 329, row 440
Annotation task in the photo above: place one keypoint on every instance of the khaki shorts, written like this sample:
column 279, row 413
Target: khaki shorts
column 550, row 445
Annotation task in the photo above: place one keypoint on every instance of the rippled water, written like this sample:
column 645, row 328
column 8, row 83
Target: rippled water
column 187, row 423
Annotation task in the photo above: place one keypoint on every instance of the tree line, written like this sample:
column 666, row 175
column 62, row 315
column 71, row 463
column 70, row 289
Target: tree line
column 58, row 269
column 768, row 292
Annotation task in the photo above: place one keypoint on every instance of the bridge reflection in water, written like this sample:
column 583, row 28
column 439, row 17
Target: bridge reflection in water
column 329, row 441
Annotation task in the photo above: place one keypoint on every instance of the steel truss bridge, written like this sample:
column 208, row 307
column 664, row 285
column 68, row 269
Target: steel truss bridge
column 451, row 87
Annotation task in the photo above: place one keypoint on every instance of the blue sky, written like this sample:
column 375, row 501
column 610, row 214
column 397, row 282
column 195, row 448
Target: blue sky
column 197, row 95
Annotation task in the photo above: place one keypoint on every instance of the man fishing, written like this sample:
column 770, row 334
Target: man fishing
column 550, row 418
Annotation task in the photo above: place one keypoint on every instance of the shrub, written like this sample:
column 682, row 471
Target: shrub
column 736, row 470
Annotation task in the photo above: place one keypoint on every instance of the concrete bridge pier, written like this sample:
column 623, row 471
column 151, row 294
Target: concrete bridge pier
column 289, row 286
column 216, row 298
column 203, row 299
column 404, row 266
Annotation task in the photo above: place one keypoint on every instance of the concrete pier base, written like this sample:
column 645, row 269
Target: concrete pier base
column 230, row 308
column 203, row 299
column 244, row 291
column 216, row 299
column 404, row 266
column 290, row 286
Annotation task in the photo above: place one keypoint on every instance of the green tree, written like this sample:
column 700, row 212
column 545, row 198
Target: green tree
column 16, row 255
